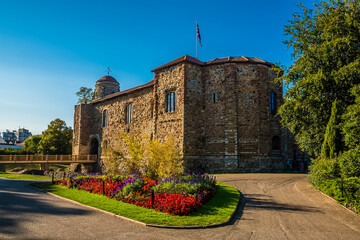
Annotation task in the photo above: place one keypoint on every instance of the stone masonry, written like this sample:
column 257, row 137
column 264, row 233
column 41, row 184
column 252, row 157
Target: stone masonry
column 222, row 121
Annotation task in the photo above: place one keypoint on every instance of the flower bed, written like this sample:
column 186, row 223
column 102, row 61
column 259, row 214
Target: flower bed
column 176, row 196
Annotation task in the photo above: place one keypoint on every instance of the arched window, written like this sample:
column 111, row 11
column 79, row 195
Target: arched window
column 104, row 118
column 272, row 103
column 275, row 143
column 171, row 102
column 214, row 97
column 129, row 110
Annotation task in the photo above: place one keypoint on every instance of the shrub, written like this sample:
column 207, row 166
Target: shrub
column 345, row 191
column 142, row 155
column 350, row 163
column 324, row 169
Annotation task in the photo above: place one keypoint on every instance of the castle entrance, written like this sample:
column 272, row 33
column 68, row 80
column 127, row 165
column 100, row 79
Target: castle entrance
column 94, row 146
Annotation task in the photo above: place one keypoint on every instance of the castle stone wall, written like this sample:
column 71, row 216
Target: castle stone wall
column 222, row 121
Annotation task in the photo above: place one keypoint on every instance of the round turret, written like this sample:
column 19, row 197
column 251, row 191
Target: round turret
column 105, row 86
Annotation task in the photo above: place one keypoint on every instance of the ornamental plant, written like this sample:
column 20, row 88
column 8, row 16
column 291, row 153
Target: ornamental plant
column 179, row 195
column 142, row 155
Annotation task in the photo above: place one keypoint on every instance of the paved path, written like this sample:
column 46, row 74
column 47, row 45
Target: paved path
column 277, row 206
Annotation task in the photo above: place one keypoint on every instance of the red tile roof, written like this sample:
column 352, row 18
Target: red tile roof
column 149, row 84
column 190, row 59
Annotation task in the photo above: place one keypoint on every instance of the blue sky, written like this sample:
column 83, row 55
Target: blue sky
column 49, row 49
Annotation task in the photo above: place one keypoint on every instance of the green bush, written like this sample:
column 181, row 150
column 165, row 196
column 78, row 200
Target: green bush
column 345, row 191
column 142, row 155
column 322, row 170
column 350, row 163
column 8, row 151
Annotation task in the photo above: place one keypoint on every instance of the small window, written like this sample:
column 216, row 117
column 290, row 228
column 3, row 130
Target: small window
column 171, row 102
column 129, row 110
column 276, row 143
column 214, row 97
column 272, row 103
column 104, row 118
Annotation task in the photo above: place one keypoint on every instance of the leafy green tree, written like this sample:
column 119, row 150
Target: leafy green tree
column 325, row 45
column 86, row 95
column 57, row 139
column 351, row 121
column 31, row 144
column 332, row 142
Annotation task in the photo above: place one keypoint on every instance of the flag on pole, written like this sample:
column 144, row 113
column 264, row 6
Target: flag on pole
column 198, row 34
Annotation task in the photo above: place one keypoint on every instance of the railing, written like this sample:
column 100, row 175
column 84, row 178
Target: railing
column 28, row 159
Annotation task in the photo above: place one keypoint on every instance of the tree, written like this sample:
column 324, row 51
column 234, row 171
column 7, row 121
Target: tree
column 325, row 45
column 31, row 144
column 57, row 139
column 86, row 95
column 332, row 142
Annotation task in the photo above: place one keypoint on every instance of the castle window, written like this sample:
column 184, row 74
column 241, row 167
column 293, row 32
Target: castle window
column 104, row 118
column 171, row 102
column 275, row 143
column 272, row 103
column 129, row 110
column 214, row 97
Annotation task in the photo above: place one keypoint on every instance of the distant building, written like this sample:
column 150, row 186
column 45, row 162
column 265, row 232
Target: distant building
column 12, row 137
column 22, row 134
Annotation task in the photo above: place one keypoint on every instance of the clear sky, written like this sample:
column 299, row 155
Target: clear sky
column 49, row 49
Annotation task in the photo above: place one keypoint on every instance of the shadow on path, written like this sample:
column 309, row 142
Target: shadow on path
column 18, row 203
column 260, row 201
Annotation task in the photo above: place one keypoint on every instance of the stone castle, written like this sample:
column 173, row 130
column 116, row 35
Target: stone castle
column 222, row 114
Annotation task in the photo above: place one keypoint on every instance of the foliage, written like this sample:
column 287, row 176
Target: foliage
column 86, row 95
column 143, row 155
column 345, row 191
column 8, row 151
column 31, row 144
column 190, row 184
column 325, row 46
column 57, row 139
column 350, row 163
column 351, row 121
column 332, row 143
column 165, row 160
column 193, row 190
column 217, row 210
column 323, row 169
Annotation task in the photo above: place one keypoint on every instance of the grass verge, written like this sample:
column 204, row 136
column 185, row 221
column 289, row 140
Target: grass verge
column 24, row 176
column 219, row 209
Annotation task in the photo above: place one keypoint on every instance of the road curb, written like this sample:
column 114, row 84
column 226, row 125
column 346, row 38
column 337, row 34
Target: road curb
column 240, row 205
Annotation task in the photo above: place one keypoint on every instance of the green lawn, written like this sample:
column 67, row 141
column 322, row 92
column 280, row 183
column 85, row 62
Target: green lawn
column 219, row 209
column 23, row 176
column 34, row 166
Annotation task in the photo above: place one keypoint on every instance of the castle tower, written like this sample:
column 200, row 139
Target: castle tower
column 105, row 86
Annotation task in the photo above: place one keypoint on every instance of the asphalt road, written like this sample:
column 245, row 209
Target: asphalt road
column 277, row 206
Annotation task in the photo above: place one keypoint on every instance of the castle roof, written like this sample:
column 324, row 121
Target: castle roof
column 130, row 90
column 107, row 78
column 185, row 58
column 190, row 59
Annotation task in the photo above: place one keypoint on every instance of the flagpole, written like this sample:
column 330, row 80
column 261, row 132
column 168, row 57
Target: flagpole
column 196, row 40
